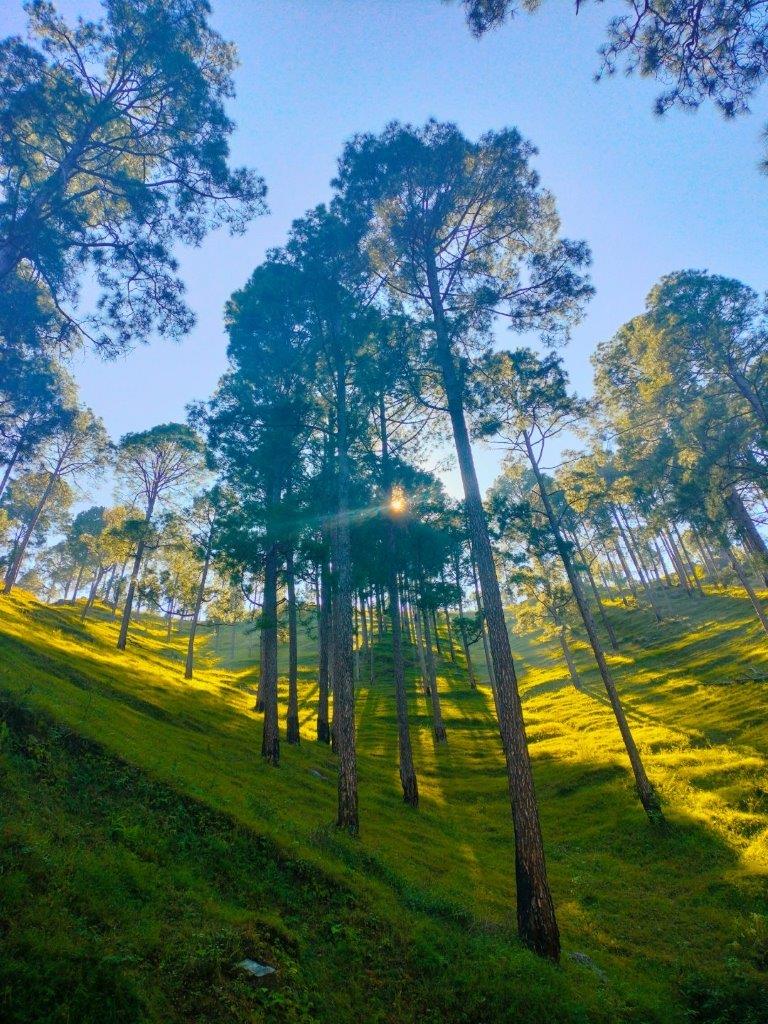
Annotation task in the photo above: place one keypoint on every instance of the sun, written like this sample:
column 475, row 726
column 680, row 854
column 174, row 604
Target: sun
column 398, row 503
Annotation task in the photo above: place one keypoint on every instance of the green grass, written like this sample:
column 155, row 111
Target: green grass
column 146, row 848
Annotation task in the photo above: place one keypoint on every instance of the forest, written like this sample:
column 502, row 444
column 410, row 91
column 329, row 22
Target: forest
column 300, row 721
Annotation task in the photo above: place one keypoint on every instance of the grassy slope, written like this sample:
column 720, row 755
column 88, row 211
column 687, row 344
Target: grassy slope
column 157, row 885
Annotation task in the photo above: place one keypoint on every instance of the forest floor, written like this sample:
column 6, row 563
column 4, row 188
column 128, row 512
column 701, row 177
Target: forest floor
column 145, row 848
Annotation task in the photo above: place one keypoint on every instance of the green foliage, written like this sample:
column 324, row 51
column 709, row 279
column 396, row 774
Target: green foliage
column 114, row 147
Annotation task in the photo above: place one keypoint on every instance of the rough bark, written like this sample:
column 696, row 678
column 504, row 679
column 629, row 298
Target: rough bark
column 536, row 921
column 343, row 685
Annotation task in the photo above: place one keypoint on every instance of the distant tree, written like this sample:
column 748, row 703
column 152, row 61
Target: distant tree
column 107, row 547
column 152, row 465
column 114, row 147
column 462, row 233
column 81, row 446
column 23, row 502
column 201, row 523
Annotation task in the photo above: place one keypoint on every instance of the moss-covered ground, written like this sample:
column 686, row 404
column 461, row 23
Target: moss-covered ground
column 146, row 849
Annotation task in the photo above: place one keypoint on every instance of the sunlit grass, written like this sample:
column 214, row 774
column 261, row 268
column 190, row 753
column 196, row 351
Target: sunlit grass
column 650, row 908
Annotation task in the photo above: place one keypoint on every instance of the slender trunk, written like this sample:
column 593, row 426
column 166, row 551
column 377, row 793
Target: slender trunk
column 645, row 790
column 625, row 569
column 463, row 631
column 21, row 548
column 744, row 580
column 437, row 712
column 536, row 921
column 596, row 594
column 615, row 575
column 405, row 752
column 324, row 624
column 270, row 742
column 343, row 686
column 425, row 678
column 199, row 598
column 133, row 583
column 689, row 560
column 292, row 722
column 484, row 631
column 677, row 562
column 433, row 613
column 568, row 655
column 636, row 562
column 92, row 592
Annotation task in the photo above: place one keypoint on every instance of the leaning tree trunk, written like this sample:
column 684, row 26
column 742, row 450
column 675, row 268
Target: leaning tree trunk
column 638, row 567
column 645, row 790
column 270, row 741
column 292, row 721
column 536, row 921
column 437, row 711
column 744, row 580
column 199, row 598
column 568, row 655
column 596, row 593
column 98, row 576
column 747, row 529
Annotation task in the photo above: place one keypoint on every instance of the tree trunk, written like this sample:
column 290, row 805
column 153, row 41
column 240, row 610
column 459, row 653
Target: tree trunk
column 437, row 711
column 199, row 598
column 463, row 632
column 748, row 530
column 536, row 921
column 405, row 752
column 324, row 631
column 270, row 741
column 292, row 721
column 125, row 622
column 744, row 580
column 689, row 560
column 636, row 562
column 568, row 655
column 645, row 790
column 92, row 593
column 343, row 686
column 484, row 633
column 425, row 678
column 596, row 593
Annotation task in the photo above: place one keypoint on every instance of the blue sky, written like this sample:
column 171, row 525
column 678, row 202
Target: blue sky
column 649, row 195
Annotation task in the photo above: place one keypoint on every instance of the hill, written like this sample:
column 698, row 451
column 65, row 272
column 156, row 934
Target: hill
column 146, row 849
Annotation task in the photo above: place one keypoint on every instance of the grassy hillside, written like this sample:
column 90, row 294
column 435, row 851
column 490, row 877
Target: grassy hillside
column 146, row 849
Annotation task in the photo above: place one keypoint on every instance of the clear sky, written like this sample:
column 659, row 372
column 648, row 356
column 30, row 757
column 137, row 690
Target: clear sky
column 649, row 195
